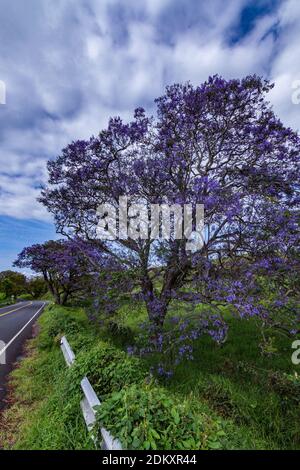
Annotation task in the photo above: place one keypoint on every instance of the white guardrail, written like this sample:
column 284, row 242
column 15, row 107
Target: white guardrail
column 89, row 402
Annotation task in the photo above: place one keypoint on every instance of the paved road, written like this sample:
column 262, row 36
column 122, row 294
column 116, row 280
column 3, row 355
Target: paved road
column 15, row 327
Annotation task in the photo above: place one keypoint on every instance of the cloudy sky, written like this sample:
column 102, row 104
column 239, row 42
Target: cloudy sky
column 68, row 65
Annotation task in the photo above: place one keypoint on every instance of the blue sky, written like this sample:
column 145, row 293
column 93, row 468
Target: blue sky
column 68, row 68
column 15, row 234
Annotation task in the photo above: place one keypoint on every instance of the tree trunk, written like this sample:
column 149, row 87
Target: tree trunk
column 57, row 298
column 64, row 298
column 157, row 311
column 52, row 289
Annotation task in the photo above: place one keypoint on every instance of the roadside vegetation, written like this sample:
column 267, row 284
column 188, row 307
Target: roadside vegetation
column 4, row 301
column 16, row 286
column 229, row 397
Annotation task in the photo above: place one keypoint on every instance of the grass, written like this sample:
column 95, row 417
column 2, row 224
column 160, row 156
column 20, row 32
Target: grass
column 41, row 399
column 252, row 397
column 238, row 382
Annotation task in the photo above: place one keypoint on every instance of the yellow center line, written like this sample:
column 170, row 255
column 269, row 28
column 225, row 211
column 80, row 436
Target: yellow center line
column 12, row 311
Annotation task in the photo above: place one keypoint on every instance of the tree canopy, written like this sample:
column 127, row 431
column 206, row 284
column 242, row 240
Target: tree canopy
column 62, row 265
column 12, row 283
column 218, row 144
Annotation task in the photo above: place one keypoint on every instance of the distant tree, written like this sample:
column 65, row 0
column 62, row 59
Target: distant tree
column 61, row 263
column 12, row 283
column 36, row 287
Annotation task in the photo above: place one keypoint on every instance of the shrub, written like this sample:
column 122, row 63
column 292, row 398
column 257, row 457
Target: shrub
column 25, row 297
column 2, row 296
column 108, row 368
column 147, row 417
column 286, row 385
column 59, row 321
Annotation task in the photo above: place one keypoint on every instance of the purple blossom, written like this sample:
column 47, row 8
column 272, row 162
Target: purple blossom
column 220, row 144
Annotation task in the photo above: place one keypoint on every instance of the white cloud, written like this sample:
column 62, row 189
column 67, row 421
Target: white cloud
column 68, row 69
column 18, row 199
column 286, row 65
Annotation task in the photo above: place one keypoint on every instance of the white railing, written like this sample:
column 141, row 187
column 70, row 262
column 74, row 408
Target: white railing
column 67, row 351
column 89, row 403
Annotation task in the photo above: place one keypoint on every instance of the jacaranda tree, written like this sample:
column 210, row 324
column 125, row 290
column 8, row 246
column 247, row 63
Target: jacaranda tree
column 63, row 265
column 217, row 144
